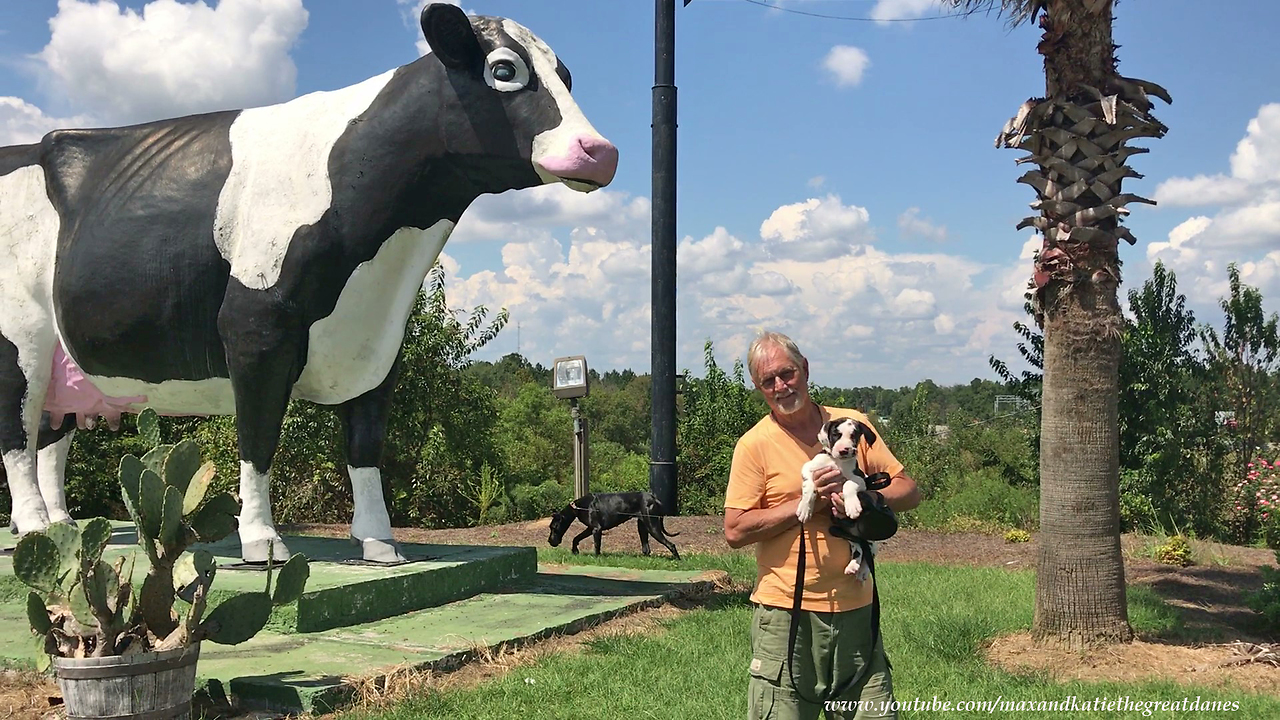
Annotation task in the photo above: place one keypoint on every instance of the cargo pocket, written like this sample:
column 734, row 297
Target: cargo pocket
column 766, row 676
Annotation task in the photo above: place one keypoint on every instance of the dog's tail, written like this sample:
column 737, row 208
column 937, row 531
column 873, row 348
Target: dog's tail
column 656, row 513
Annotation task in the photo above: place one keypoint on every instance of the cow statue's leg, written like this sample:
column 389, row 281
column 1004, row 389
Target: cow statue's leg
column 26, row 363
column 364, row 422
column 53, row 445
column 51, row 464
column 261, row 360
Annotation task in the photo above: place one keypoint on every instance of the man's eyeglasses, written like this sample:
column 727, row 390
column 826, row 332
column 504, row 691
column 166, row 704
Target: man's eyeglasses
column 786, row 376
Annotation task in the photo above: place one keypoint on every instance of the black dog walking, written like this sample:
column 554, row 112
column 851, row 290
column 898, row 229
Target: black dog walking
column 602, row 511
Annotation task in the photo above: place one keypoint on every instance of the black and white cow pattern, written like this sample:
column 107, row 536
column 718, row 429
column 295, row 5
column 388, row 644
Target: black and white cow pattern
column 223, row 263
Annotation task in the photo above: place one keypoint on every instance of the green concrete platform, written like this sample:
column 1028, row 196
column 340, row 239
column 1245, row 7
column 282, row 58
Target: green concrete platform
column 357, row 622
column 338, row 593
column 315, row 672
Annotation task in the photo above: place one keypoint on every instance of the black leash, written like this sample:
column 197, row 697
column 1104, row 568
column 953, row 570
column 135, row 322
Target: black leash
column 876, row 481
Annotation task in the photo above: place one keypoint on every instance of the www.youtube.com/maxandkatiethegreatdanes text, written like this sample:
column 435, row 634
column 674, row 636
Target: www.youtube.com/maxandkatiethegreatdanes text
column 1069, row 704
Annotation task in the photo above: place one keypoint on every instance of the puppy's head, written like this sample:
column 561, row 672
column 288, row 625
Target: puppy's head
column 840, row 436
column 560, row 522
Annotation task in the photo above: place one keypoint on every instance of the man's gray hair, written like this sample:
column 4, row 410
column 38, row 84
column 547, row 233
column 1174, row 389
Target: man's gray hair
column 765, row 339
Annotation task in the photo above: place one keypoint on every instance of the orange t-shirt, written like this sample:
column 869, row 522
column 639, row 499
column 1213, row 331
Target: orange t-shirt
column 766, row 473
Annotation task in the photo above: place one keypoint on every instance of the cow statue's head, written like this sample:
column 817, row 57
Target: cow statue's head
column 516, row 102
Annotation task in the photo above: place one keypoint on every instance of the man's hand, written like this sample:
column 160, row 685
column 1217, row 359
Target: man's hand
column 826, row 482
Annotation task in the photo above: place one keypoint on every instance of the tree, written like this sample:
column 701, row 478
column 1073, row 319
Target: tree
column 1027, row 384
column 1168, row 445
column 717, row 410
column 1244, row 363
column 1076, row 136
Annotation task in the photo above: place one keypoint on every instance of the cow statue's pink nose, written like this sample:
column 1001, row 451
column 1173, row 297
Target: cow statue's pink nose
column 590, row 158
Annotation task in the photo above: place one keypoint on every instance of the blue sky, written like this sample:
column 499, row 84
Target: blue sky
column 837, row 179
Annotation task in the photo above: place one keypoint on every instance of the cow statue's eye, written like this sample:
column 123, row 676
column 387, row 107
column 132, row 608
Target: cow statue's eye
column 505, row 71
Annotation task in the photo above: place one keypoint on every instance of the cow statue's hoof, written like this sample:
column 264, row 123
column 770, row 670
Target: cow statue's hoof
column 256, row 551
column 379, row 551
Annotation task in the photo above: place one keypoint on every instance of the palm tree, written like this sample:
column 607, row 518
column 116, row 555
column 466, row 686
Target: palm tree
column 1076, row 136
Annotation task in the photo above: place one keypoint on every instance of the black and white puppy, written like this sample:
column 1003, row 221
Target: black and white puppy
column 839, row 438
column 602, row 511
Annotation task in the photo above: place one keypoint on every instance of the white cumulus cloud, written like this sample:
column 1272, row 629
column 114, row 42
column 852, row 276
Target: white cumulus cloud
column 1245, row 228
column 171, row 58
column 904, row 9
column 911, row 224
column 816, row 229
column 846, row 64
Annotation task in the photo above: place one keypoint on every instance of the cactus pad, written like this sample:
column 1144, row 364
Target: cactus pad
column 216, row 519
column 131, row 482
column 36, row 561
column 93, row 540
column 152, row 504
column 171, row 520
column 37, row 614
column 292, row 580
column 155, row 457
column 239, row 618
column 67, row 538
column 181, row 466
column 197, row 488
column 149, row 426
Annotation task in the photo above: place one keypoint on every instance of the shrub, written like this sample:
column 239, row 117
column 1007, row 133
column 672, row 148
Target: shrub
column 1266, row 602
column 532, row 502
column 1017, row 536
column 1174, row 551
column 970, row 524
column 980, row 496
column 1254, row 509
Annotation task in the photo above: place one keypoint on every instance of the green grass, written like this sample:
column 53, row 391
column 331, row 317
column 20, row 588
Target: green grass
column 936, row 619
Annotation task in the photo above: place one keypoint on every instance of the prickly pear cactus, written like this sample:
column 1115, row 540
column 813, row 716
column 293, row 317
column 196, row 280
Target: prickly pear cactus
column 83, row 606
column 79, row 600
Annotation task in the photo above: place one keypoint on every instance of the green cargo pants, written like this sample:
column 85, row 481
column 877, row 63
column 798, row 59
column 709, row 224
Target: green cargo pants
column 830, row 648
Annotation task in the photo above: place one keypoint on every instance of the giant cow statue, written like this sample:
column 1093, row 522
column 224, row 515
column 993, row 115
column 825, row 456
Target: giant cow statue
column 227, row 262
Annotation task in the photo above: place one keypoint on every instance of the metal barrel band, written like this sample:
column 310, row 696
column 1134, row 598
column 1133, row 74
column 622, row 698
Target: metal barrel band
column 146, row 668
column 161, row 714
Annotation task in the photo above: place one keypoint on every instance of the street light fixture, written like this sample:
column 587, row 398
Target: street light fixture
column 570, row 381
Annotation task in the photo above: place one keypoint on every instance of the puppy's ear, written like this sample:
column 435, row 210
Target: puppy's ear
column 861, row 430
column 824, row 433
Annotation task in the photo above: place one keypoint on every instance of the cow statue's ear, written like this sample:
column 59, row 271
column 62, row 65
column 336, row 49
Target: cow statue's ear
column 451, row 37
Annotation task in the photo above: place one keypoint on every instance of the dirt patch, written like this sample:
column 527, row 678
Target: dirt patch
column 26, row 695
column 1232, row 665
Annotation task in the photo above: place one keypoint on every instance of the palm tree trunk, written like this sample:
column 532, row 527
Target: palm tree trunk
column 1076, row 136
column 1080, row 584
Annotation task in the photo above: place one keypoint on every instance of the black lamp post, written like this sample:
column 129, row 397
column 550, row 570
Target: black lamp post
column 662, row 456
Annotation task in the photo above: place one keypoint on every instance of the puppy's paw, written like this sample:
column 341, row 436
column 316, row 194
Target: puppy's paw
column 854, row 567
column 863, row 573
column 804, row 510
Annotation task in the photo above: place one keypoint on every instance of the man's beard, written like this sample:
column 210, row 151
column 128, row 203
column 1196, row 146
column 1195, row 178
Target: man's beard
column 790, row 404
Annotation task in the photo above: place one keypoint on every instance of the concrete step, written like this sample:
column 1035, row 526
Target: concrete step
column 317, row 672
column 342, row 589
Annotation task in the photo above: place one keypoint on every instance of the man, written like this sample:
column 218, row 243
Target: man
column 834, row 633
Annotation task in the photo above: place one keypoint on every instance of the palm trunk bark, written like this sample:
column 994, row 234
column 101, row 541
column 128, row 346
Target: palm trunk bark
column 1076, row 136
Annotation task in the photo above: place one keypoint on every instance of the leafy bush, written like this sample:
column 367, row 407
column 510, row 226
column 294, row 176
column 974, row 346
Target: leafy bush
column 1017, row 536
column 1174, row 551
column 718, row 409
column 531, row 502
column 1266, row 602
column 982, row 497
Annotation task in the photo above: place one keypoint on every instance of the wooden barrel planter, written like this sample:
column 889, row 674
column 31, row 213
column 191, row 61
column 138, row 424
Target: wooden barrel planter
column 146, row 686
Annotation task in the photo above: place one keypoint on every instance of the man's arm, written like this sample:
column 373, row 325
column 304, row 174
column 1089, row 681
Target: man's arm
column 900, row 494
column 744, row 527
